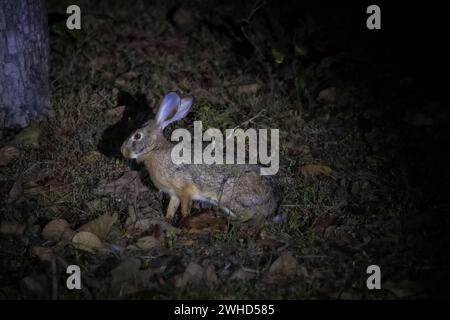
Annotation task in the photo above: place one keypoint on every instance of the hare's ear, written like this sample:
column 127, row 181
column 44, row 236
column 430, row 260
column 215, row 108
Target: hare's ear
column 168, row 107
column 182, row 111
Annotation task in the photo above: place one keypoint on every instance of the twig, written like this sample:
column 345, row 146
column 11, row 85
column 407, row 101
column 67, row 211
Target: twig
column 245, row 122
column 254, row 10
column 297, row 91
column 247, row 21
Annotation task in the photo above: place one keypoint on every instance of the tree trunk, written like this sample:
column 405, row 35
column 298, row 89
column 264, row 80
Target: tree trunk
column 24, row 52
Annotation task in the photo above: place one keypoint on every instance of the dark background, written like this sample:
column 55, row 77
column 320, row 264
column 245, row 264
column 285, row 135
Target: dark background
column 384, row 134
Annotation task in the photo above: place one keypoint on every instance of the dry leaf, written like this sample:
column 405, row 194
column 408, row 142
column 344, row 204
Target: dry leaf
column 124, row 275
column 127, row 76
column 129, row 183
column 99, row 63
column 402, row 289
column 285, row 265
column 115, row 112
column 91, row 157
column 185, row 242
column 323, row 222
column 55, row 229
column 242, row 275
column 43, row 253
column 51, row 187
column 251, row 88
column 139, row 45
column 327, row 95
column 8, row 154
column 172, row 45
column 205, row 221
column 86, row 241
column 295, row 121
column 148, row 242
column 35, row 286
column 161, row 224
column 128, row 278
column 28, row 137
column 183, row 18
column 100, row 226
column 131, row 219
column 16, row 190
column 95, row 205
column 313, row 170
column 269, row 243
column 210, row 274
column 194, row 274
column 12, row 228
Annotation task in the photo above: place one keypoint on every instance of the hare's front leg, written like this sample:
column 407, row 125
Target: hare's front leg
column 174, row 203
column 186, row 204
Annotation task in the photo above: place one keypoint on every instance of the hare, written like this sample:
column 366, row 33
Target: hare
column 237, row 189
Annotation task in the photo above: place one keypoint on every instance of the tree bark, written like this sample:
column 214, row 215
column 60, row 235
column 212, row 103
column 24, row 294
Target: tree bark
column 24, row 62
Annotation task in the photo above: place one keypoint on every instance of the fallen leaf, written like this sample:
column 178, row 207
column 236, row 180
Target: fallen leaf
column 355, row 188
column 251, row 88
column 129, row 183
column 148, row 242
column 294, row 149
column 284, row 266
column 185, row 242
column 205, row 221
column 210, row 274
column 131, row 219
column 323, row 222
column 95, row 205
column 8, row 154
column 125, row 274
column 163, row 225
column 295, row 121
column 139, row 45
column 193, row 274
column 43, row 253
column 35, row 286
column 183, row 18
column 402, row 289
column 49, row 188
column 128, row 76
column 28, row 137
column 11, row 228
column 86, row 241
column 106, row 75
column 269, row 243
column 419, row 119
column 16, row 190
column 278, row 55
column 101, row 226
column 327, row 95
column 58, row 229
column 128, row 278
column 313, row 170
column 173, row 45
column 115, row 112
column 99, row 63
column 242, row 275
column 91, row 157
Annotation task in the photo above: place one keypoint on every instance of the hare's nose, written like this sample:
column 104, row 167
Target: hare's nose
column 123, row 149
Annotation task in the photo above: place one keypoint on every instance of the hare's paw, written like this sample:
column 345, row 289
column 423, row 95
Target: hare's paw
column 186, row 205
column 172, row 208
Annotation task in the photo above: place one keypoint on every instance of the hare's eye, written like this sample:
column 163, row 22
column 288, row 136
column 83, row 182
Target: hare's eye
column 137, row 136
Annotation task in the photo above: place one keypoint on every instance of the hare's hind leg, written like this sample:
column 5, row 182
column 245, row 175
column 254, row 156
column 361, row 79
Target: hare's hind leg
column 174, row 203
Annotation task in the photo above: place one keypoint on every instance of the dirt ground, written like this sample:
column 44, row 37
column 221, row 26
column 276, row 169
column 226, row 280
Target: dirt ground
column 362, row 166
